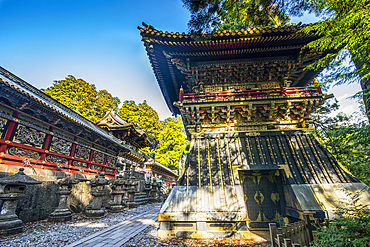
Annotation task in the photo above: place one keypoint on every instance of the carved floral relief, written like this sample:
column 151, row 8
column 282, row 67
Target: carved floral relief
column 24, row 153
column 57, row 159
column 28, row 136
column 82, row 152
column 80, row 164
column 60, row 146
column 2, row 127
column 96, row 167
column 98, row 157
column 111, row 161
column 109, row 170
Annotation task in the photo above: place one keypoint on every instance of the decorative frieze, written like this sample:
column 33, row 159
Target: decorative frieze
column 98, row 157
column 3, row 123
column 220, row 72
column 109, row 170
column 96, row 167
column 24, row 153
column 111, row 161
column 61, row 146
column 249, row 128
column 80, row 164
column 57, row 159
column 82, row 152
column 28, row 136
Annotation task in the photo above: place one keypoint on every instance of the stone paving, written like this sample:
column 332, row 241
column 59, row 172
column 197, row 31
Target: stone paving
column 119, row 234
column 133, row 228
column 47, row 234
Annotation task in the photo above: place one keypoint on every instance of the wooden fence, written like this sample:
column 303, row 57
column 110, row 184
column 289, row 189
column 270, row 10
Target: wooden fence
column 297, row 234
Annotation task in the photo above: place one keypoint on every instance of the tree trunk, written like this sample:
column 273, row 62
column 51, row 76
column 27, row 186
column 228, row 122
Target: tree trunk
column 365, row 85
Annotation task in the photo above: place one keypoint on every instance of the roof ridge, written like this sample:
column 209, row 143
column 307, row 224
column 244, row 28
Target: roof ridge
column 150, row 30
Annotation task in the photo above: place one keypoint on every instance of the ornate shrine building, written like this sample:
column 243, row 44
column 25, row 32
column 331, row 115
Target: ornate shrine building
column 38, row 132
column 137, row 139
column 245, row 101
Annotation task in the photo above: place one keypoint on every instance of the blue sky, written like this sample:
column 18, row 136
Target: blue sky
column 96, row 40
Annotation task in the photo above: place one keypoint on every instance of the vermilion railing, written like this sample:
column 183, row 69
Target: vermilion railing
column 254, row 93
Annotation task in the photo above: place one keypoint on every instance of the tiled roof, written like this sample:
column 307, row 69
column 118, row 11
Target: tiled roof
column 150, row 31
column 168, row 52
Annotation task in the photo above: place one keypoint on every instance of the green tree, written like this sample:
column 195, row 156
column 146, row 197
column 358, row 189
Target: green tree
column 167, row 136
column 129, row 112
column 347, row 141
column 82, row 97
column 350, row 229
column 171, row 143
column 149, row 121
column 346, row 29
column 104, row 102
column 209, row 15
column 142, row 116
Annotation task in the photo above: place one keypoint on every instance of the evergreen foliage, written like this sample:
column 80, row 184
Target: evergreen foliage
column 346, row 140
column 171, row 143
column 210, row 15
column 82, row 97
column 350, row 229
column 142, row 116
column 346, row 33
column 167, row 136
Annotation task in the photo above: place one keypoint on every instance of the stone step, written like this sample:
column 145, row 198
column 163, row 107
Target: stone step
column 141, row 198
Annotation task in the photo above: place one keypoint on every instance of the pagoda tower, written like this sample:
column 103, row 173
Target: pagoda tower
column 245, row 100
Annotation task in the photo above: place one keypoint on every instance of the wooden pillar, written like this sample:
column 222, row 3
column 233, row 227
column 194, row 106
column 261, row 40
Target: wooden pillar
column 309, row 227
column 9, row 131
column 272, row 227
column 48, row 138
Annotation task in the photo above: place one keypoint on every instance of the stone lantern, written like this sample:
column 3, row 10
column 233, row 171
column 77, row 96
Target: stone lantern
column 97, row 191
column 126, row 188
column 11, row 190
column 159, row 185
column 117, row 186
column 131, row 195
column 147, row 188
column 153, row 197
column 62, row 213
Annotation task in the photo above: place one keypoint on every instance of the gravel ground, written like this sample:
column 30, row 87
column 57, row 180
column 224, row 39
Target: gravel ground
column 45, row 234
column 148, row 237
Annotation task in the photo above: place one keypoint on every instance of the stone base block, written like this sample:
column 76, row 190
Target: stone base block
column 10, row 227
column 131, row 204
column 152, row 200
column 116, row 208
column 60, row 215
column 209, row 229
column 92, row 213
column 245, row 235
